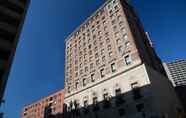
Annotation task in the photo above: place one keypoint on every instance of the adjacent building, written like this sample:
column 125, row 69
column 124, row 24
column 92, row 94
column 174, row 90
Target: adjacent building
column 176, row 71
column 112, row 70
column 12, row 15
column 47, row 107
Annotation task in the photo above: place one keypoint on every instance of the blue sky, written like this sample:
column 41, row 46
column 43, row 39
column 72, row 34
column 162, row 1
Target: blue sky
column 38, row 68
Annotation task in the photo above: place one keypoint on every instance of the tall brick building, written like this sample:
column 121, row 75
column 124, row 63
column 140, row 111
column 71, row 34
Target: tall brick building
column 111, row 69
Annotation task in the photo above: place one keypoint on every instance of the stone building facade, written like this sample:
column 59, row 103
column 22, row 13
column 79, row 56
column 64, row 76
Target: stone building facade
column 109, row 59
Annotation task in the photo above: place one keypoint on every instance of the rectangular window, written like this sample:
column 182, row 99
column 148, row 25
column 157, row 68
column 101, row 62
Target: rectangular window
column 86, row 69
column 97, row 62
column 120, row 49
column 92, row 78
column 109, row 47
column 118, row 92
column 113, row 67
column 110, row 54
column 105, row 96
column 95, row 100
column 136, row 91
column 103, row 59
column 140, row 107
column 84, row 82
column 91, row 66
column 77, row 83
column 127, row 60
column 102, row 73
column 85, row 103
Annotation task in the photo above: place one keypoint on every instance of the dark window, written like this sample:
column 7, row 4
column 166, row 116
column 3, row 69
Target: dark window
column 92, row 78
column 137, row 93
column 95, row 100
column 119, row 98
column 95, row 104
column 84, row 82
column 86, row 103
column 113, row 67
column 121, row 112
column 102, row 73
column 140, row 107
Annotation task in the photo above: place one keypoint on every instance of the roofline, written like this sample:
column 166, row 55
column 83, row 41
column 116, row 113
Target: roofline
column 87, row 19
column 36, row 101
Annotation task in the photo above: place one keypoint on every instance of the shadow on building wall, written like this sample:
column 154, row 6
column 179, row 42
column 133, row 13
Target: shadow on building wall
column 133, row 104
column 181, row 92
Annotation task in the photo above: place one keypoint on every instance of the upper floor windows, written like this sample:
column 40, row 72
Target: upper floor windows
column 128, row 60
column 102, row 72
column 92, row 78
column 113, row 67
column 84, row 82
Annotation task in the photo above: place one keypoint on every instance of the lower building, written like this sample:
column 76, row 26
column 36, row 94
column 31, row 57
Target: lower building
column 140, row 92
column 48, row 107
column 176, row 72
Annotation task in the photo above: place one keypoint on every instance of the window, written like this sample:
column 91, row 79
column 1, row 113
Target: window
column 90, row 52
column 92, row 78
column 123, row 30
column 110, row 54
column 127, row 60
column 102, row 52
column 109, row 47
column 95, row 100
column 91, row 66
column 113, row 67
column 86, row 69
column 107, row 40
column 125, row 37
column 127, row 44
column 115, row 28
column 117, row 34
column 76, row 74
column 118, row 92
column 80, row 65
column 84, row 82
column 121, row 112
column 140, row 107
column 120, row 49
column 113, row 22
column 106, row 101
column 97, row 62
column 105, row 28
column 119, row 97
column 96, row 48
column 121, row 23
column 136, row 91
column 85, row 103
column 103, row 59
column 105, row 96
column 102, row 73
column 76, row 85
column 90, row 59
column 90, row 46
column 118, row 41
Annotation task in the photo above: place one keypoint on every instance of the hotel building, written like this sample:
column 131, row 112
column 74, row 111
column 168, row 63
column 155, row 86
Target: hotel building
column 112, row 70
column 49, row 105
